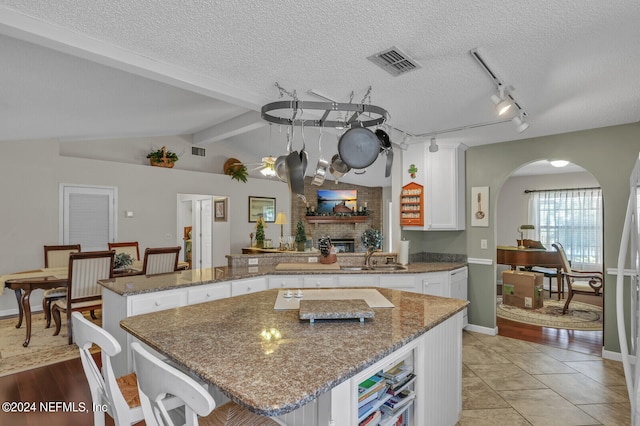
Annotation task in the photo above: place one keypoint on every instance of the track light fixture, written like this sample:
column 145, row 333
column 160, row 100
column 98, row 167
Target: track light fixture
column 520, row 124
column 433, row 146
column 502, row 101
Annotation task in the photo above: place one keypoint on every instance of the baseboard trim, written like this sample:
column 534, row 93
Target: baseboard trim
column 614, row 356
column 482, row 330
column 16, row 311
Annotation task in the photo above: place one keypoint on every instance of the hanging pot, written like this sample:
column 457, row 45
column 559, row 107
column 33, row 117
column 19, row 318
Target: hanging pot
column 385, row 146
column 304, row 156
column 280, row 165
column 338, row 167
column 321, row 167
column 358, row 147
column 296, row 175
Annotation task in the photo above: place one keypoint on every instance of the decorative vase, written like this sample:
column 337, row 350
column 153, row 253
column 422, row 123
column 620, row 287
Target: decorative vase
column 329, row 259
column 260, row 243
column 300, row 246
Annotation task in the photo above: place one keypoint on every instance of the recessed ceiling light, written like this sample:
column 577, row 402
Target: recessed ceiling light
column 558, row 163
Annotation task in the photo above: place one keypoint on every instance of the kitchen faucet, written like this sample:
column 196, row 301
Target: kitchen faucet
column 367, row 256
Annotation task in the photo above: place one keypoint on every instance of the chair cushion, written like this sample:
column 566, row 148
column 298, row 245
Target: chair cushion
column 582, row 286
column 232, row 414
column 129, row 387
column 56, row 292
column 62, row 304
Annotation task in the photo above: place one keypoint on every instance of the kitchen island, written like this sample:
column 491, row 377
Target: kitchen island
column 275, row 364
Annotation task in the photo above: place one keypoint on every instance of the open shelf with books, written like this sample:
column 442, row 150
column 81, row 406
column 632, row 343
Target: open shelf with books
column 386, row 397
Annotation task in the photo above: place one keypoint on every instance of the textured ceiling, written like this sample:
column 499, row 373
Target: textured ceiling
column 574, row 65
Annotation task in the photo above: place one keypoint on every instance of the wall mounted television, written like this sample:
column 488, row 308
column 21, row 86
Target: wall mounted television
column 330, row 198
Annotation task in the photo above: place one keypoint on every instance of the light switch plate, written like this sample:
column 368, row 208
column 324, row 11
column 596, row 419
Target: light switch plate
column 253, row 261
column 312, row 259
column 483, row 244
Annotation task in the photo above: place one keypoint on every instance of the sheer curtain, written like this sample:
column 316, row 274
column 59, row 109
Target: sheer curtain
column 572, row 217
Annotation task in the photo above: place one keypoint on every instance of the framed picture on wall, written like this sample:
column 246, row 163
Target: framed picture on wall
column 220, row 210
column 480, row 206
column 264, row 207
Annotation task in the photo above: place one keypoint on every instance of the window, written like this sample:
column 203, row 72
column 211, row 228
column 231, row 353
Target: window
column 573, row 218
column 88, row 216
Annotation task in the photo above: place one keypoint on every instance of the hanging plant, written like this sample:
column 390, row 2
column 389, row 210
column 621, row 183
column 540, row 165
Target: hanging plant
column 234, row 168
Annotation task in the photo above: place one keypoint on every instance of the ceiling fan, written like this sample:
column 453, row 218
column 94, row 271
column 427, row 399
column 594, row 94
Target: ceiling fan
column 266, row 166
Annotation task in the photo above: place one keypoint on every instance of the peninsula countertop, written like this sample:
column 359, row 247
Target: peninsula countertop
column 272, row 362
column 139, row 284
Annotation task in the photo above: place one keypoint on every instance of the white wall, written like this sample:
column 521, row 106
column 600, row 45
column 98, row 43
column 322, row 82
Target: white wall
column 30, row 175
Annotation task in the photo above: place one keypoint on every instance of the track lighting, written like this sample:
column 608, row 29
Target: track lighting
column 433, row 146
column 502, row 101
column 520, row 124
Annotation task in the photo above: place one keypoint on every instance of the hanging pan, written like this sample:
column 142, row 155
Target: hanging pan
column 358, row 147
column 385, row 146
column 321, row 167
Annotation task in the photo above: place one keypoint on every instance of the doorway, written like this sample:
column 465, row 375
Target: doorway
column 514, row 210
column 205, row 241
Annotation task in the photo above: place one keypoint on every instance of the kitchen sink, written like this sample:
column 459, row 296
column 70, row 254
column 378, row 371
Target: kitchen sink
column 389, row 268
column 355, row 268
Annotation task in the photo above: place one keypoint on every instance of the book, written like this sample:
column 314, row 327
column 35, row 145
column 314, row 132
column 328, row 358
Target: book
column 372, row 386
column 372, row 420
column 398, row 401
column 398, row 387
column 397, row 373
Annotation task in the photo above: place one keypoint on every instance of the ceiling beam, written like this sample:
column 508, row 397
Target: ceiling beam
column 26, row 28
column 241, row 124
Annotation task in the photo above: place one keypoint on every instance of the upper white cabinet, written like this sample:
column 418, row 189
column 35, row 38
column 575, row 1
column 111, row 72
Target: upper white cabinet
column 442, row 174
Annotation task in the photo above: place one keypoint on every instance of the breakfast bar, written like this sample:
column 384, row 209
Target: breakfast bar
column 276, row 364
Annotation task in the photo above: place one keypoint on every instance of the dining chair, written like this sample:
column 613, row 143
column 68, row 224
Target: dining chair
column 157, row 379
column 118, row 394
column 56, row 257
column 83, row 291
column 131, row 248
column 160, row 260
column 578, row 282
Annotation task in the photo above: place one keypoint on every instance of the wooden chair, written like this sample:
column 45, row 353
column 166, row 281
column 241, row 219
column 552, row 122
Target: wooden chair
column 156, row 379
column 578, row 282
column 56, row 257
column 130, row 248
column 160, row 260
column 83, row 291
column 120, row 395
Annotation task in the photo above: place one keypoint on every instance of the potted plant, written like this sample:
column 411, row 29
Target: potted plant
column 301, row 235
column 372, row 238
column 234, row 168
column 122, row 261
column 162, row 158
column 260, row 232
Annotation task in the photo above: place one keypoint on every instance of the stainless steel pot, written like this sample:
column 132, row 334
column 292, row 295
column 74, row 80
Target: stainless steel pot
column 358, row 147
column 338, row 167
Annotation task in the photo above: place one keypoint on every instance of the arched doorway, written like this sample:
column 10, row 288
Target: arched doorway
column 513, row 210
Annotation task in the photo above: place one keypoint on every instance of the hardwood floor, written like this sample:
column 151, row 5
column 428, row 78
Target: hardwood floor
column 587, row 342
column 62, row 382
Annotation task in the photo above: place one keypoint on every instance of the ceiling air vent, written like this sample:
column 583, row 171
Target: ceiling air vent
column 394, row 61
column 196, row 150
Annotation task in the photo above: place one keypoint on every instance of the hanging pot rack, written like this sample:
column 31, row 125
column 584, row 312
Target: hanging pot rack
column 288, row 112
column 352, row 113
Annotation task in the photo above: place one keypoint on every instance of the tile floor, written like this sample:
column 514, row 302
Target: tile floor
column 509, row 382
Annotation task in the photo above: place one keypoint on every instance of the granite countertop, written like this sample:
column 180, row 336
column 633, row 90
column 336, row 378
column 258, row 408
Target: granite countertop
column 272, row 362
column 138, row 284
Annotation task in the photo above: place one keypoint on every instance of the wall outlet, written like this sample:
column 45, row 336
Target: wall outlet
column 312, row 259
column 253, row 261
column 483, row 244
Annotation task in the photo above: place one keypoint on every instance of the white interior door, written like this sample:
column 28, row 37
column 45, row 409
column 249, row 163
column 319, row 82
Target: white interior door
column 205, row 234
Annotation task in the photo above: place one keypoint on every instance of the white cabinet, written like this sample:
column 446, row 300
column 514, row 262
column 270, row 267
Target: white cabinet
column 458, row 288
column 159, row 301
column 285, row 281
column 442, row 174
column 249, row 285
column 320, row 281
column 208, row 292
column 404, row 282
column 435, row 283
column 359, row 280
